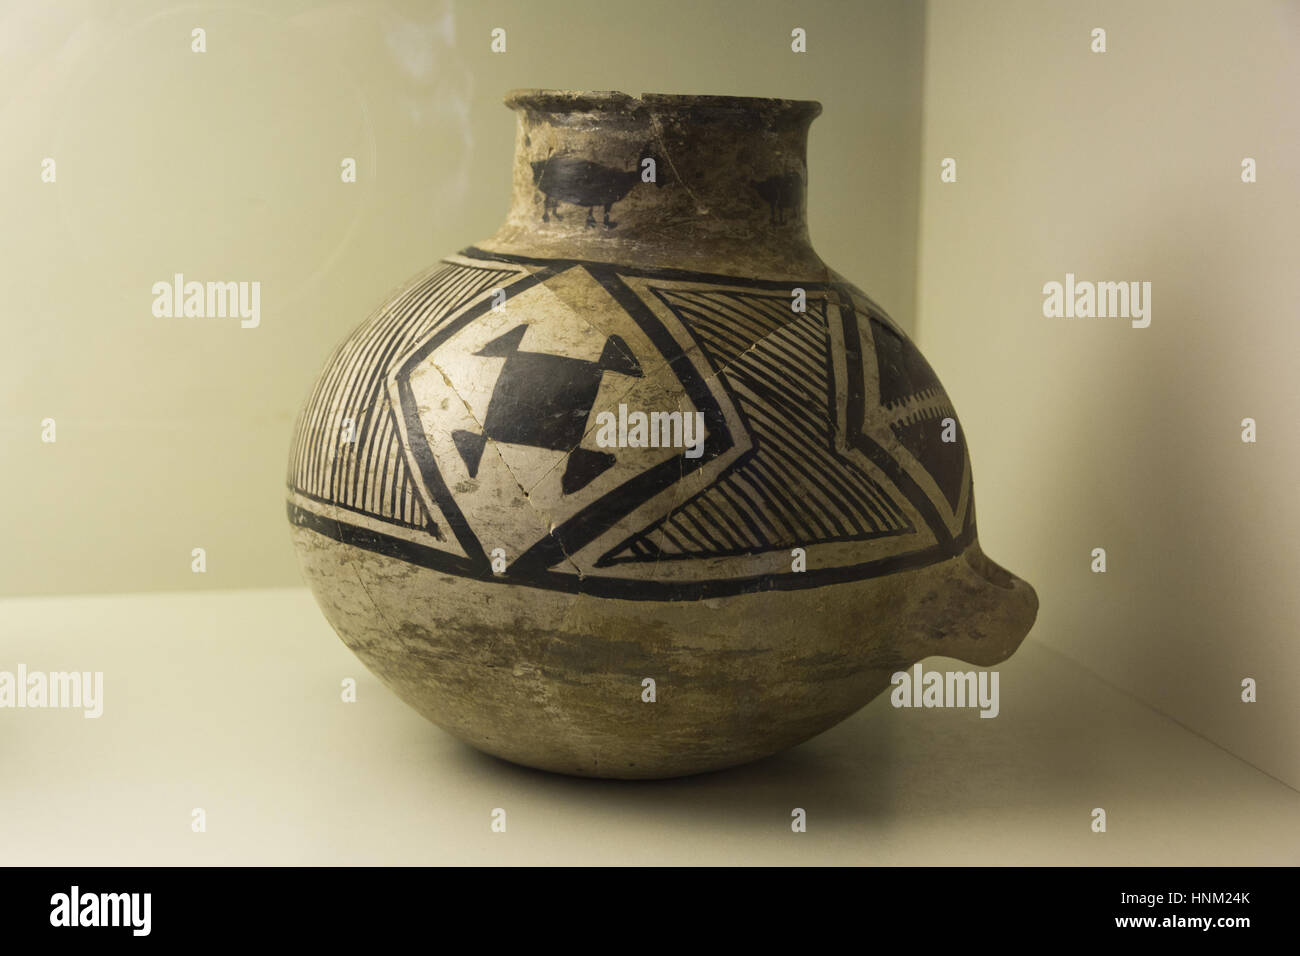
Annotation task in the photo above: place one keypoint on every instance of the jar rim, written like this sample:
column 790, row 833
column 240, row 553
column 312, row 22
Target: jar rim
column 613, row 101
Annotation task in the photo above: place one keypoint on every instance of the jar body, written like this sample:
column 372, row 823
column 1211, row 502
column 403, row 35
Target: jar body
column 626, row 505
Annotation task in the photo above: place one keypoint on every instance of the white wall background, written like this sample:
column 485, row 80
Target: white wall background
column 1090, row 433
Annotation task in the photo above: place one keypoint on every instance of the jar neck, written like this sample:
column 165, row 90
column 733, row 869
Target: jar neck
column 714, row 184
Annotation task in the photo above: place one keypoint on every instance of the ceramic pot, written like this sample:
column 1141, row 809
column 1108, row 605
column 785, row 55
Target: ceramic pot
column 639, row 487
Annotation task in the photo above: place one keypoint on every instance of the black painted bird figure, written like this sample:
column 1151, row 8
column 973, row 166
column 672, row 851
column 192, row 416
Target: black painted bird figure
column 781, row 192
column 582, row 182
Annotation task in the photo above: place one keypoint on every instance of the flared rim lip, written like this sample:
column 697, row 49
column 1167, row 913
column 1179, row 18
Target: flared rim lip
column 612, row 101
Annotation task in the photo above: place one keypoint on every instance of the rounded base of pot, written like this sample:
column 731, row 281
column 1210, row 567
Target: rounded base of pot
column 602, row 687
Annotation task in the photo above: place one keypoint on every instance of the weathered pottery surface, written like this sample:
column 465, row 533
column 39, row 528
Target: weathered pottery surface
column 478, row 524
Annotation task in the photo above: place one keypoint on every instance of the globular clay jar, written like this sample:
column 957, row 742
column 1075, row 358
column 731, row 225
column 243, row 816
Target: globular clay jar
column 639, row 487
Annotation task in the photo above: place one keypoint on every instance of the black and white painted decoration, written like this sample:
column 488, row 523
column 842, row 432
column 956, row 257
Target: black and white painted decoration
column 476, row 417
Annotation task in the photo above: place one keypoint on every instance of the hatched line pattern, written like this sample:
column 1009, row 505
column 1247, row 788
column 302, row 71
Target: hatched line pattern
column 794, row 489
column 369, row 474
